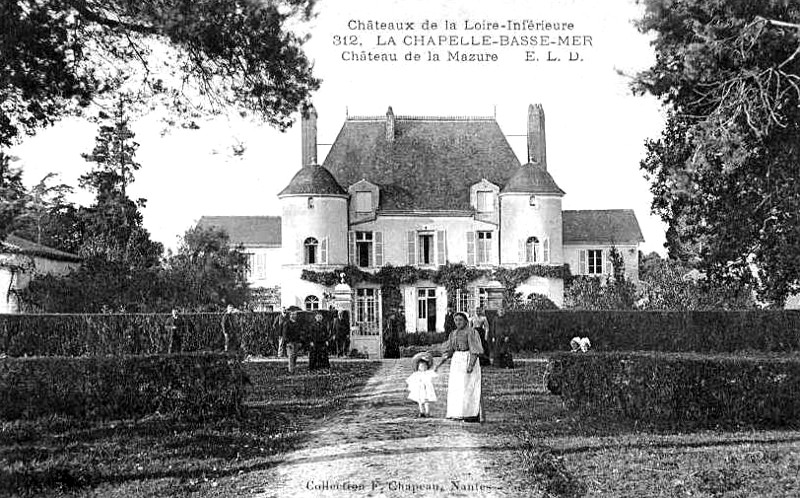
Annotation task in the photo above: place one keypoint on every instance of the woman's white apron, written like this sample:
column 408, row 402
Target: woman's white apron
column 463, row 389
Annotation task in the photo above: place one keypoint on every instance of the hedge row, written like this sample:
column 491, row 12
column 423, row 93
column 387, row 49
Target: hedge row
column 192, row 386
column 675, row 331
column 699, row 389
column 255, row 333
column 103, row 334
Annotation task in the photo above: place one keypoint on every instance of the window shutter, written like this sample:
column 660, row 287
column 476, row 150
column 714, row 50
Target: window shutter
column 410, row 305
column 351, row 244
column 546, row 250
column 379, row 249
column 471, row 248
column 440, row 246
column 412, row 247
column 260, row 264
column 323, row 251
column 582, row 257
column 609, row 262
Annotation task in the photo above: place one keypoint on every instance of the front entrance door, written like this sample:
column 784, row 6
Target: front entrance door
column 426, row 310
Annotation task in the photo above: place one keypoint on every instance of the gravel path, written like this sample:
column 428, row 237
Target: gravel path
column 378, row 447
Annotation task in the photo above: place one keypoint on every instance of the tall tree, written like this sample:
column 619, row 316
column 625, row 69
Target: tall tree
column 48, row 217
column 723, row 172
column 112, row 226
column 12, row 195
column 207, row 273
column 59, row 55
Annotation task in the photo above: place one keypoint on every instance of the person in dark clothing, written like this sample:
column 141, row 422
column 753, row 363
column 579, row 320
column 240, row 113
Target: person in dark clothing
column 292, row 335
column 278, row 325
column 341, row 333
column 318, row 344
column 176, row 327
column 227, row 328
column 391, row 336
column 481, row 325
column 449, row 322
column 500, row 339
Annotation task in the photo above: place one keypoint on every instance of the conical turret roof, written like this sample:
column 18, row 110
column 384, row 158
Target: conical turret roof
column 313, row 179
column 531, row 179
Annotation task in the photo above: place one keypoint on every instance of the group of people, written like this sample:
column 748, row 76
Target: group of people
column 322, row 338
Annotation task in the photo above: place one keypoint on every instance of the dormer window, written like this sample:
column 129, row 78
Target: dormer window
column 485, row 201
column 363, row 202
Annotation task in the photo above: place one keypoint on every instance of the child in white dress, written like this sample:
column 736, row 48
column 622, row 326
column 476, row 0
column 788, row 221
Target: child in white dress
column 420, row 383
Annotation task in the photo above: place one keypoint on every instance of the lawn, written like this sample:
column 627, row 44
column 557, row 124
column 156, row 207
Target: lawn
column 570, row 455
column 162, row 457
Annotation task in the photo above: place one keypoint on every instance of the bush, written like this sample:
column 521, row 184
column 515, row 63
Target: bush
column 678, row 331
column 120, row 334
column 185, row 386
column 700, row 389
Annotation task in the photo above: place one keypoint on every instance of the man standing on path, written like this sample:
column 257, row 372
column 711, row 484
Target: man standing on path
column 291, row 338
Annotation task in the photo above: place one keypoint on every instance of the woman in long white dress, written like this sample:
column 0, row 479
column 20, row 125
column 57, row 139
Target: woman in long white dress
column 463, row 347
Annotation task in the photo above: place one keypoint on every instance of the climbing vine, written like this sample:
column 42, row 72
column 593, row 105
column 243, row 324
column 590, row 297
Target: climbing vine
column 450, row 276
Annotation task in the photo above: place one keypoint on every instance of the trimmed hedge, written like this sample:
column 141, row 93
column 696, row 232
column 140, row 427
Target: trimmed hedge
column 186, row 386
column 700, row 389
column 118, row 334
column 254, row 333
column 676, row 331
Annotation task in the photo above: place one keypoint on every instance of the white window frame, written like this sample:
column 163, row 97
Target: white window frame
column 311, row 303
column 308, row 244
column 594, row 263
column 366, row 309
column 532, row 250
column 365, row 238
column 484, row 245
column 426, row 235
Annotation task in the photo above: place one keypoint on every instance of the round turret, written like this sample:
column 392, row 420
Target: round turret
column 531, row 223
column 314, row 219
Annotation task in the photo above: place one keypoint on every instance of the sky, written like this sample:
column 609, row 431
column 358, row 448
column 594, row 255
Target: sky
column 595, row 126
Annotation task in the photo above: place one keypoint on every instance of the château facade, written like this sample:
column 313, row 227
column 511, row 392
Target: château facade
column 427, row 192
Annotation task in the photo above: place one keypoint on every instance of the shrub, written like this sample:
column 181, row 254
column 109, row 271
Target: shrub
column 679, row 331
column 119, row 334
column 700, row 389
column 186, row 386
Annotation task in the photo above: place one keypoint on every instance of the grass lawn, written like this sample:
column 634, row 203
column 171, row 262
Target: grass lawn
column 570, row 455
column 160, row 457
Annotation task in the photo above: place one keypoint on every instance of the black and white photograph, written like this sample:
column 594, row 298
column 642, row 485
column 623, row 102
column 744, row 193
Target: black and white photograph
column 353, row 248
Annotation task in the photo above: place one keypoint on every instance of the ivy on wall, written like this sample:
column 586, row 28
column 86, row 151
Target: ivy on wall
column 450, row 276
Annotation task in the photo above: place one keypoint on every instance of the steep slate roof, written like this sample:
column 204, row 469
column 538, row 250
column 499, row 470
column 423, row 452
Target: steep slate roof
column 18, row 245
column 251, row 231
column 610, row 226
column 430, row 164
column 313, row 179
column 531, row 179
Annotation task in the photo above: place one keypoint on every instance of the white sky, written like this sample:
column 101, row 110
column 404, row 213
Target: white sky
column 595, row 126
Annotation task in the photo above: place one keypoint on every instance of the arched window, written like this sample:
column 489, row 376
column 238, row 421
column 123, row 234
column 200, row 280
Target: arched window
column 532, row 250
column 311, row 250
column 312, row 303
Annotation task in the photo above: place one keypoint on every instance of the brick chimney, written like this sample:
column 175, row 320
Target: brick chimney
column 390, row 125
column 537, row 144
column 308, row 133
